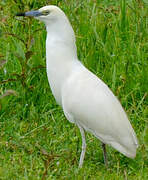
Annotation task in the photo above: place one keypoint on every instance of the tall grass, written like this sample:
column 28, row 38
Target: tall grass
column 36, row 141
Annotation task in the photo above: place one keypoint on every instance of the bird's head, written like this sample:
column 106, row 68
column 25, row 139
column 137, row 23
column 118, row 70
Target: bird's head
column 45, row 14
column 57, row 23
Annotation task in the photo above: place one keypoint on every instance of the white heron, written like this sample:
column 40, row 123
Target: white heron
column 86, row 100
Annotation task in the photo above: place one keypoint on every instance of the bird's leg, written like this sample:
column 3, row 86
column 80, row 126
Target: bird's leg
column 105, row 154
column 83, row 146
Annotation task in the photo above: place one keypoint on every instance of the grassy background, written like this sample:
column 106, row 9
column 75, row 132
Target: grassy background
column 36, row 141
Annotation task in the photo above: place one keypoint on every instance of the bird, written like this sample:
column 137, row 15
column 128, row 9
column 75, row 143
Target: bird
column 85, row 99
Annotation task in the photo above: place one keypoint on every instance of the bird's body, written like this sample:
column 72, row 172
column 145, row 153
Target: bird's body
column 86, row 100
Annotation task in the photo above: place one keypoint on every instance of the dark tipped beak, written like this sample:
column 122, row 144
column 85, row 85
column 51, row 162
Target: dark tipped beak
column 30, row 13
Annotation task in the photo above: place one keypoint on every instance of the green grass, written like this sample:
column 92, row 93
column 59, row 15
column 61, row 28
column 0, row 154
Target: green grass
column 36, row 140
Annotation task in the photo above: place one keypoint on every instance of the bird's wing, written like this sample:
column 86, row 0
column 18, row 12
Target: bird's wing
column 87, row 101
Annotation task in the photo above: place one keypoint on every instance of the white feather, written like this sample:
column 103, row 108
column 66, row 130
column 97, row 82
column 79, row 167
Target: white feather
column 85, row 99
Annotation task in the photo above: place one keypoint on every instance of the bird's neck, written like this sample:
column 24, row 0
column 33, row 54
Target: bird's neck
column 61, row 55
column 60, row 30
column 61, row 38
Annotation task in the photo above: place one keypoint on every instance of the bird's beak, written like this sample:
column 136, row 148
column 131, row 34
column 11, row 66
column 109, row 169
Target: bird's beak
column 30, row 14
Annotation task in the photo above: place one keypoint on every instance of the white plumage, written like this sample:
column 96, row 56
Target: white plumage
column 86, row 100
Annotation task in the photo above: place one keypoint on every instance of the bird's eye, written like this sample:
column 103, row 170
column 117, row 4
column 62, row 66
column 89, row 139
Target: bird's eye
column 45, row 13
